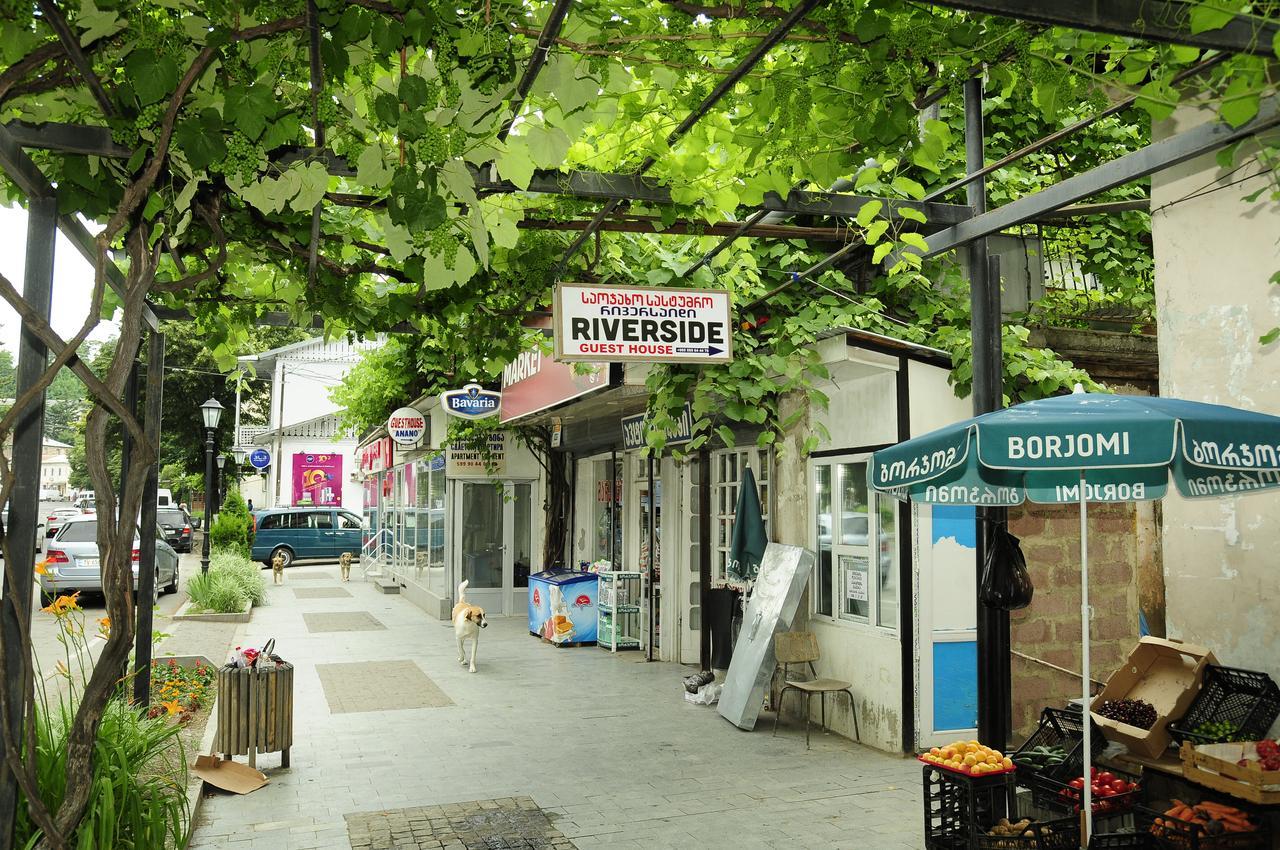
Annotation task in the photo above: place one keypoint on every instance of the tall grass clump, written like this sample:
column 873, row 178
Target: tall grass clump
column 232, row 584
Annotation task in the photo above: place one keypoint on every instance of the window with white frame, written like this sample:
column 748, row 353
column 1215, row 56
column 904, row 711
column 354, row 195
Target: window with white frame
column 854, row 529
column 728, row 467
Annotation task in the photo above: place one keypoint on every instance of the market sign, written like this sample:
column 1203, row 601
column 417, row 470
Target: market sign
column 653, row 324
column 406, row 426
column 259, row 458
column 471, row 402
column 634, row 429
column 534, row 382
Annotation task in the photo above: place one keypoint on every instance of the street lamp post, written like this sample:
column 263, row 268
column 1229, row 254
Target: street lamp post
column 221, row 461
column 211, row 412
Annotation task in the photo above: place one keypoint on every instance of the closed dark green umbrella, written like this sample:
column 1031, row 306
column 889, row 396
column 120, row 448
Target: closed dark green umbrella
column 749, row 538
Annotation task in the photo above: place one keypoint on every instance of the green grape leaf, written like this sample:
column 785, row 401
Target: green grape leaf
column 479, row 234
column 152, row 76
column 882, row 250
column 399, row 240
column 371, row 168
column 1240, row 102
column 1157, row 98
column 908, row 187
column 249, row 108
column 515, row 165
column 1209, row 16
column 869, row 211
column 313, row 181
column 875, row 230
column 547, row 146
column 387, row 108
column 282, row 131
column 413, row 91
column 457, row 179
column 915, row 240
column 97, row 24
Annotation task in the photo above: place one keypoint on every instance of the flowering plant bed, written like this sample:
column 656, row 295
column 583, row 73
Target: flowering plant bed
column 178, row 690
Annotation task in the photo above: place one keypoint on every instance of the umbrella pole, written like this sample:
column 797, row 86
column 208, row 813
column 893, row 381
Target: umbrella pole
column 1084, row 631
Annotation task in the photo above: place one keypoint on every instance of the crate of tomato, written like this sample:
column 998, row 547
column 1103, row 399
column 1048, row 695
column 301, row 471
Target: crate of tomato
column 1113, row 791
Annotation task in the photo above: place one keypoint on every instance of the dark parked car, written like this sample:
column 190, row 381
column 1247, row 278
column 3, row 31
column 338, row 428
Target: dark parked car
column 305, row 533
column 177, row 528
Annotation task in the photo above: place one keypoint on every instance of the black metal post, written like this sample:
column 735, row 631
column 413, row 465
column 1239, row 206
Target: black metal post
column 209, row 498
column 652, row 531
column 24, row 498
column 704, row 558
column 147, row 539
column 994, row 687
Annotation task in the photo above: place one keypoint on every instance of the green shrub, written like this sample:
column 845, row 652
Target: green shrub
column 231, row 585
column 233, row 528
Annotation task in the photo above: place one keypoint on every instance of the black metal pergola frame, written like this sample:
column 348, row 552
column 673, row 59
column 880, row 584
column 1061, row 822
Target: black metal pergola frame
column 949, row 225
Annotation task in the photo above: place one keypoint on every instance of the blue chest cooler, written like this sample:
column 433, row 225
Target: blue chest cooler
column 562, row 606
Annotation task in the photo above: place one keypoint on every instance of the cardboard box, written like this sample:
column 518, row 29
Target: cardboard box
column 1165, row 673
column 228, row 775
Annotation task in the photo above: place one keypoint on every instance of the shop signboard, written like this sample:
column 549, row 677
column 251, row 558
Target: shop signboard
column 471, row 402
column 317, row 479
column 634, row 429
column 260, row 458
column 376, row 456
column 652, row 324
column 406, row 426
column 465, row 461
column 534, row 382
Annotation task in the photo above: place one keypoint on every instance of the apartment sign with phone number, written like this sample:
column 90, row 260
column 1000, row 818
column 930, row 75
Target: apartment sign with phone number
column 653, row 324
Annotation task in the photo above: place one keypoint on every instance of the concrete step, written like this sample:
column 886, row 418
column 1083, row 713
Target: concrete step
column 385, row 585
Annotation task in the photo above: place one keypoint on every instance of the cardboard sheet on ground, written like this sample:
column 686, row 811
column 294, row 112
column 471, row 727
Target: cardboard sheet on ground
column 784, row 573
column 229, row 775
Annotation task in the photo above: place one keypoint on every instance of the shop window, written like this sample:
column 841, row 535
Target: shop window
column 608, row 512
column 728, row 467
column 854, row 529
column 428, row 497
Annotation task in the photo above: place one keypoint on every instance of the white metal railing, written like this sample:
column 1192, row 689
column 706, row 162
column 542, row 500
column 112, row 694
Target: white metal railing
column 376, row 551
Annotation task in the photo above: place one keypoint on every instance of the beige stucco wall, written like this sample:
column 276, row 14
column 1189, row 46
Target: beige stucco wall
column 1214, row 254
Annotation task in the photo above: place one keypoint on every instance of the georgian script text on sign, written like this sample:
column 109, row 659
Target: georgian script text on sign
column 642, row 323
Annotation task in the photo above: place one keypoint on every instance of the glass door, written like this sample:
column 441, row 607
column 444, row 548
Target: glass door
column 495, row 543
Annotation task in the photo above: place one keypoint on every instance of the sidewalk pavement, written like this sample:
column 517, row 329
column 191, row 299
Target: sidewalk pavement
column 396, row 745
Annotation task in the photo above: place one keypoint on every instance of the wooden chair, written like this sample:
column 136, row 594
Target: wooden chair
column 802, row 648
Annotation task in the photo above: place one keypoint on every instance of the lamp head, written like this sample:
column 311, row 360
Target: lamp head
column 239, row 454
column 211, row 410
column 221, row 460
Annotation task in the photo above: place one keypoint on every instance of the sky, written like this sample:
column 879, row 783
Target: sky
column 72, row 281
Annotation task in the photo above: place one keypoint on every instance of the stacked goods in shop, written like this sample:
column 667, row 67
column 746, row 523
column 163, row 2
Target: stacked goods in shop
column 959, row 805
column 1054, row 750
column 1112, row 791
column 1247, row 770
column 1233, row 705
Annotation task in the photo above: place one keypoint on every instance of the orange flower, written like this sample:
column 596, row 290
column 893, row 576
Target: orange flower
column 42, row 568
column 172, row 707
column 63, row 604
column 104, row 626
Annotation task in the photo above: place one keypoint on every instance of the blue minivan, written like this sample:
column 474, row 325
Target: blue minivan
column 305, row 534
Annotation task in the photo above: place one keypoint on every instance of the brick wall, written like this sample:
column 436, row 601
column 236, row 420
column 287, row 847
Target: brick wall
column 1049, row 629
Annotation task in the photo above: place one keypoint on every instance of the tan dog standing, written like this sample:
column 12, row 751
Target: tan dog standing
column 344, row 562
column 468, row 620
column 277, row 569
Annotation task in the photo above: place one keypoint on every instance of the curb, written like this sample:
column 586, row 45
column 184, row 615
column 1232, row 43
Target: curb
column 179, row 615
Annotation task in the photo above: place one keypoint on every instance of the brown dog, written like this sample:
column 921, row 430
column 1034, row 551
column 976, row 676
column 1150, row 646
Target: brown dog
column 344, row 562
column 468, row 620
column 277, row 569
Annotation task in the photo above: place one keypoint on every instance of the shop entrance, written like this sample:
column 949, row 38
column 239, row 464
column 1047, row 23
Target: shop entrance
column 493, row 530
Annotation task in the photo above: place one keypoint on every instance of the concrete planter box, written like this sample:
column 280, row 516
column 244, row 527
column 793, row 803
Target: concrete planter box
column 186, row 612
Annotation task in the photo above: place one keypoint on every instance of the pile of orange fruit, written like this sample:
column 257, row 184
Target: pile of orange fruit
column 968, row 757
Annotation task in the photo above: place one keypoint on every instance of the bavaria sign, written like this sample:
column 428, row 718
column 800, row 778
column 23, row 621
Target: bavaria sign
column 259, row 458
column 654, row 324
column 406, row 426
column 471, row 402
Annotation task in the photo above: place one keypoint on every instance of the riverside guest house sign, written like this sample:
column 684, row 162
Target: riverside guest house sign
column 654, row 324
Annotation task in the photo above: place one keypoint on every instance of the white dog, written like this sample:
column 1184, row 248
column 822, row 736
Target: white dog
column 468, row 620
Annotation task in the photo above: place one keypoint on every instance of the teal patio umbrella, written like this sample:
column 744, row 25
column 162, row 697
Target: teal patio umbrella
column 749, row 539
column 1081, row 448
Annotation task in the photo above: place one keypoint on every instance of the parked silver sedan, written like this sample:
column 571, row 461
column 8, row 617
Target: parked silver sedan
column 73, row 563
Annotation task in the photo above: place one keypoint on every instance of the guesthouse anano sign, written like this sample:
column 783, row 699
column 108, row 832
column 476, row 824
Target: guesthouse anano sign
column 406, row 426
column 654, row 324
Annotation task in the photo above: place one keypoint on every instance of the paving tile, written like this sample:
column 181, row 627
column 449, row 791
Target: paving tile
column 378, row 686
column 342, row 621
column 321, row 593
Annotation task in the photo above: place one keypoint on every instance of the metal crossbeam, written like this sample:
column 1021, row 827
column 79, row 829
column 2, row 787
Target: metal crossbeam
column 840, row 204
column 1125, row 169
column 26, row 175
column 1150, row 20
column 550, row 32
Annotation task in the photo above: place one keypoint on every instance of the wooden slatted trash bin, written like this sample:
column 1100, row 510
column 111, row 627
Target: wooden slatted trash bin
column 255, row 709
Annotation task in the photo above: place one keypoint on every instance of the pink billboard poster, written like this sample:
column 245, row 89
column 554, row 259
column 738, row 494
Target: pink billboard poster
column 317, row 479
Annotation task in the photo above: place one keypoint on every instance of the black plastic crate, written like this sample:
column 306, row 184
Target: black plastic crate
column 1122, row 841
column 1061, row 834
column 954, row 804
column 1059, row 727
column 1057, row 795
column 1173, row 834
column 1246, row 699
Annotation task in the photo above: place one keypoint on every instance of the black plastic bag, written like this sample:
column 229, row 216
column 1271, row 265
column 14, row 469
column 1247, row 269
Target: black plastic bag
column 1005, row 582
